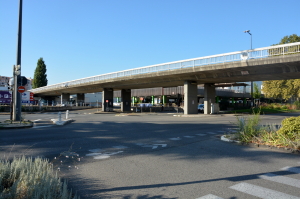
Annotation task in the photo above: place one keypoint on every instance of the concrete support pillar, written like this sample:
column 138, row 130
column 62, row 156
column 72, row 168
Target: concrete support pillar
column 190, row 98
column 209, row 97
column 80, row 99
column 65, row 98
column 107, row 99
column 125, row 100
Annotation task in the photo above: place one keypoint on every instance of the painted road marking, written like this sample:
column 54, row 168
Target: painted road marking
column 96, row 150
column 153, row 146
column 162, row 145
column 187, row 136
column 261, row 192
column 37, row 127
column 174, row 139
column 120, row 147
column 100, row 156
column 281, row 179
column 210, row 196
column 201, row 134
column 291, row 169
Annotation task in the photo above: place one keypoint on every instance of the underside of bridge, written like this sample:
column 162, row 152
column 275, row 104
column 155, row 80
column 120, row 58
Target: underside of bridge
column 271, row 68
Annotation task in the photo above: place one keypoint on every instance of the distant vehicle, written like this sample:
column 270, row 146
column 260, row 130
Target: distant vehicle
column 201, row 108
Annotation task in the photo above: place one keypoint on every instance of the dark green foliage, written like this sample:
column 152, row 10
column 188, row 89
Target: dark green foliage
column 40, row 76
column 256, row 91
column 291, row 127
column 290, row 39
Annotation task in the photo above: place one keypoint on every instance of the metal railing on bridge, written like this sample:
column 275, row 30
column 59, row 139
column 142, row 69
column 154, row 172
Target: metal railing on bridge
column 285, row 49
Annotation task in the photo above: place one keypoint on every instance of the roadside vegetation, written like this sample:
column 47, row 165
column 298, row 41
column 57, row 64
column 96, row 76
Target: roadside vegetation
column 24, row 178
column 266, row 108
column 286, row 135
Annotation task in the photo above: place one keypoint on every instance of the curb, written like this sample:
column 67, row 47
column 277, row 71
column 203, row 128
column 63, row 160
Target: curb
column 62, row 122
column 274, row 148
column 17, row 127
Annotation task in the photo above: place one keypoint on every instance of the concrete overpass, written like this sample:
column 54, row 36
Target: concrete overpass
column 269, row 63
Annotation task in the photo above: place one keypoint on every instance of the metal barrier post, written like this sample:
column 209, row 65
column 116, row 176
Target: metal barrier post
column 67, row 114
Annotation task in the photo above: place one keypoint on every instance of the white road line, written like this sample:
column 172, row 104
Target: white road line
column 291, row 169
column 174, row 139
column 261, row 192
column 210, row 196
column 281, row 179
column 201, row 134
column 189, row 136
column 37, row 127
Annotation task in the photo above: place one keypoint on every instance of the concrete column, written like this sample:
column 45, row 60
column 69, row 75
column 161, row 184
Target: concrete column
column 209, row 97
column 80, row 99
column 65, row 98
column 190, row 98
column 107, row 99
column 125, row 100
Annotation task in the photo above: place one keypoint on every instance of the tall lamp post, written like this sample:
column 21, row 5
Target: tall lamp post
column 17, row 71
column 251, row 89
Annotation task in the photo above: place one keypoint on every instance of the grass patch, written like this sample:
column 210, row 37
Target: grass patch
column 286, row 135
column 24, row 178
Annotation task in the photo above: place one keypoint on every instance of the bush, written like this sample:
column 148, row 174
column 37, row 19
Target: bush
column 248, row 128
column 290, row 127
column 28, row 178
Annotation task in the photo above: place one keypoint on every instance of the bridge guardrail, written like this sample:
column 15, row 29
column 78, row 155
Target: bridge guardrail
column 201, row 61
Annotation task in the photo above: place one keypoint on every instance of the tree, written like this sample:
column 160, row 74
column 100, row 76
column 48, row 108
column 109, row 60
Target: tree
column 40, row 76
column 256, row 91
column 289, row 39
column 283, row 89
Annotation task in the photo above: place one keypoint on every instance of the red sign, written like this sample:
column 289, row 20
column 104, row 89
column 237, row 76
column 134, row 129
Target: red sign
column 31, row 97
column 21, row 89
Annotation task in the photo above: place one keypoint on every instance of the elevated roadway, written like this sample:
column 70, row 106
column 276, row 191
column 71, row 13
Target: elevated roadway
column 269, row 63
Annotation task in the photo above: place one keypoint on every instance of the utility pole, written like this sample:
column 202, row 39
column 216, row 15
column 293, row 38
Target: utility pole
column 251, row 89
column 17, row 71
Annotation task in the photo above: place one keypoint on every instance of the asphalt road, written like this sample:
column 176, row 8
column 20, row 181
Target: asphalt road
column 143, row 156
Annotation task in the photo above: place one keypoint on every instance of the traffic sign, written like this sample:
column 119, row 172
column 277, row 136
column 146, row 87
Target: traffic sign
column 21, row 89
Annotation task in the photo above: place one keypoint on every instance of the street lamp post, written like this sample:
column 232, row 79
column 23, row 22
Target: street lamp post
column 17, row 71
column 251, row 89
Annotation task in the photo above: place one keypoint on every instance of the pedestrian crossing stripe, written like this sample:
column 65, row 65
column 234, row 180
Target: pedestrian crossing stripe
column 291, row 169
column 261, row 192
column 281, row 179
column 210, row 196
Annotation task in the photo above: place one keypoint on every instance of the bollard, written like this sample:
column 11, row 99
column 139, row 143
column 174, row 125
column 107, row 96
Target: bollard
column 59, row 116
column 67, row 114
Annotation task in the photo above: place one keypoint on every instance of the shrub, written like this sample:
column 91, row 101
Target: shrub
column 290, row 127
column 28, row 178
column 248, row 127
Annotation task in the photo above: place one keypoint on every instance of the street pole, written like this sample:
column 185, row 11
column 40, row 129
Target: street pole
column 17, row 71
column 251, row 89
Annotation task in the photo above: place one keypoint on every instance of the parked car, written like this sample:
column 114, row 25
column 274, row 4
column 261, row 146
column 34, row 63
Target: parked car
column 201, row 108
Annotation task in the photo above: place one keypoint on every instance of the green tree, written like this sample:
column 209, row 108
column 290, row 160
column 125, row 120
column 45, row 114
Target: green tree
column 283, row 89
column 40, row 76
column 256, row 91
column 289, row 39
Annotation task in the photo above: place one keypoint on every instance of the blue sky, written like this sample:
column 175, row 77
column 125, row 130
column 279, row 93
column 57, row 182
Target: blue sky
column 82, row 38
